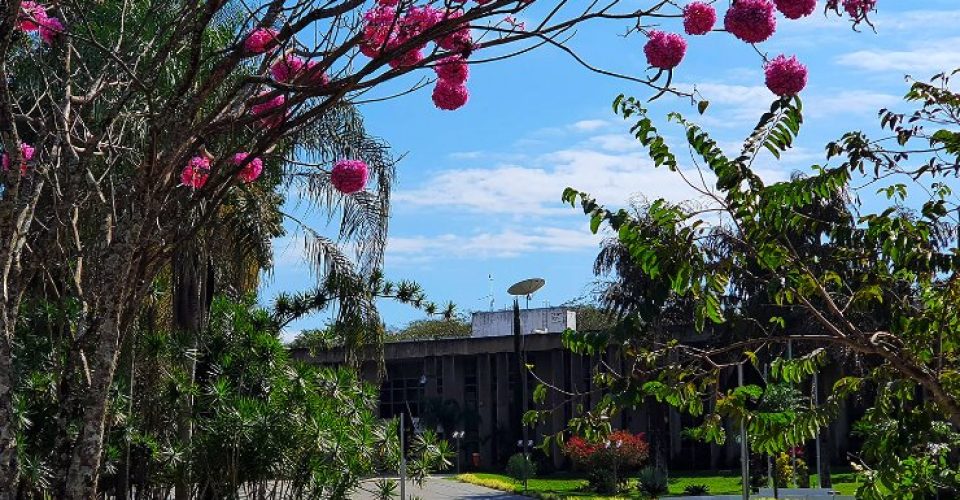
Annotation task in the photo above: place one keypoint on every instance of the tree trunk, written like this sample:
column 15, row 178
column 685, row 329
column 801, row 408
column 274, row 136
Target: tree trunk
column 191, row 306
column 84, row 469
column 8, row 434
column 113, row 295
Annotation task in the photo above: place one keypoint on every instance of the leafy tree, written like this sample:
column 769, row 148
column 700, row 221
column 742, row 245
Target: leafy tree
column 123, row 122
column 426, row 329
column 261, row 423
column 824, row 273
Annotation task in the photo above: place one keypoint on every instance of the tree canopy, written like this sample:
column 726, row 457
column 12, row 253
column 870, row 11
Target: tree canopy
column 762, row 265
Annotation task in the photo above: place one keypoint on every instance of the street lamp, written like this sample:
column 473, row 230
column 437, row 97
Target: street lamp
column 458, row 435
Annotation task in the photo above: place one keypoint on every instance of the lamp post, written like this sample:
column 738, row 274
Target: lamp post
column 616, row 460
column 458, row 435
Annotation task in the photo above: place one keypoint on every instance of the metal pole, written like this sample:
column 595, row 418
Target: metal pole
column 816, row 402
column 522, row 373
column 403, row 462
column 793, row 449
column 744, row 447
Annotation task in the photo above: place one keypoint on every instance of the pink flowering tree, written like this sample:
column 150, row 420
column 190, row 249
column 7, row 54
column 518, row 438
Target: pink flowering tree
column 128, row 128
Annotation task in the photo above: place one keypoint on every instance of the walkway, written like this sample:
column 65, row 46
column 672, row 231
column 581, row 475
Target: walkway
column 439, row 488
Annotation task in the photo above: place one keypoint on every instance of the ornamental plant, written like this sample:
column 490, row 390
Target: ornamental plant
column 136, row 112
column 609, row 462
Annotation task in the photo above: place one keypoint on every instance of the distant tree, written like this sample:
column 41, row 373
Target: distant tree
column 457, row 326
column 824, row 272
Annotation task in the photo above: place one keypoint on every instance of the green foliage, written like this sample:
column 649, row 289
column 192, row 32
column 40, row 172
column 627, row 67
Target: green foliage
column 429, row 329
column 800, row 261
column 520, row 467
column 258, row 416
column 696, row 490
column 652, row 483
column 783, row 472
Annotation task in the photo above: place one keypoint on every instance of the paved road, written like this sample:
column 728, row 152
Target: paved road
column 439, row 488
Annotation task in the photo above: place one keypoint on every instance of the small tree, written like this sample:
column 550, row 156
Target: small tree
column 521, row 468
column 608, row 463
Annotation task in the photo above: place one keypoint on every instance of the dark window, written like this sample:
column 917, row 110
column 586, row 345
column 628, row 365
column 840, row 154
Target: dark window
column 399, row 395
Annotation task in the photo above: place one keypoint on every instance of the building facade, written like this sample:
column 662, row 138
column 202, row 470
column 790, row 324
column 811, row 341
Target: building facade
column 476, row 385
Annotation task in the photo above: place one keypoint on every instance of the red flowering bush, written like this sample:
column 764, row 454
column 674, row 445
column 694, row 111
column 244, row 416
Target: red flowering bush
column 608, row 462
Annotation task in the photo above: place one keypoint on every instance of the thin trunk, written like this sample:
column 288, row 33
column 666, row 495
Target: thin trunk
column 191, row 305
column 8, row 434
column 84, row 470
column 116, row 296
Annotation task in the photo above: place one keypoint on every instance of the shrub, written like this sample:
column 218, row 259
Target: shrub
column 652, row 482
column 783, row 471
column 607, row 463
column 696, row 490
column 801, row 473
column 520, row 467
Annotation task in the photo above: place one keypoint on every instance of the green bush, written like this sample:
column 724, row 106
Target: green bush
column 652, row 482
column 783, row 471
column 801, row 474
column 696, row 490
column 603, row 480
column 521, row 468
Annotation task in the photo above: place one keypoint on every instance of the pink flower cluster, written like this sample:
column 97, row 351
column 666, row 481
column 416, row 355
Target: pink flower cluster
column 451, row 91
column 785, row 76
column 795, row 9
column 752, row 21
column 699, row 18
column 251, row 171
column 664, row 50
column 858, row 9
column 196, row 172
column 349, row 176
column 292, row 69
column 34, row 17
column 26, row 154
column 272, row 112
column 386, row 30
column 260, row 41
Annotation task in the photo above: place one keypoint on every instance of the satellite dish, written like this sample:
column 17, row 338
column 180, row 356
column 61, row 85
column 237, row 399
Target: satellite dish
column 526, row 287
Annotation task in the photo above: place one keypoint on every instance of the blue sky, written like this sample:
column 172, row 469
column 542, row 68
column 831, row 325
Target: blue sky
column 479, row 188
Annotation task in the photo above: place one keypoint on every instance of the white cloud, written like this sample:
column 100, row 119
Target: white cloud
column 535, row 188
column 589, row 125
column 926, row 20
column 507, row 242
column 850, row 102
column 466, row 155
column 741, row 103
column 925, row 59
column 621, row 142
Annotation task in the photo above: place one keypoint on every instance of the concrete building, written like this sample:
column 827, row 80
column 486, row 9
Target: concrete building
column 475, row 385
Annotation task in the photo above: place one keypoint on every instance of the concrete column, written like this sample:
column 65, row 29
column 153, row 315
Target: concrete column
column 430, row 369
column 504, row 427
column 675, row 433
column 556, row 401
column 485, row 403
column 452, row 380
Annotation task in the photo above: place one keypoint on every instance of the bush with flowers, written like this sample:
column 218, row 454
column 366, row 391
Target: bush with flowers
column 608, row 462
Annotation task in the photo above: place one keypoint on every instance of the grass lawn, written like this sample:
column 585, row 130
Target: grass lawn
column 566, row 486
